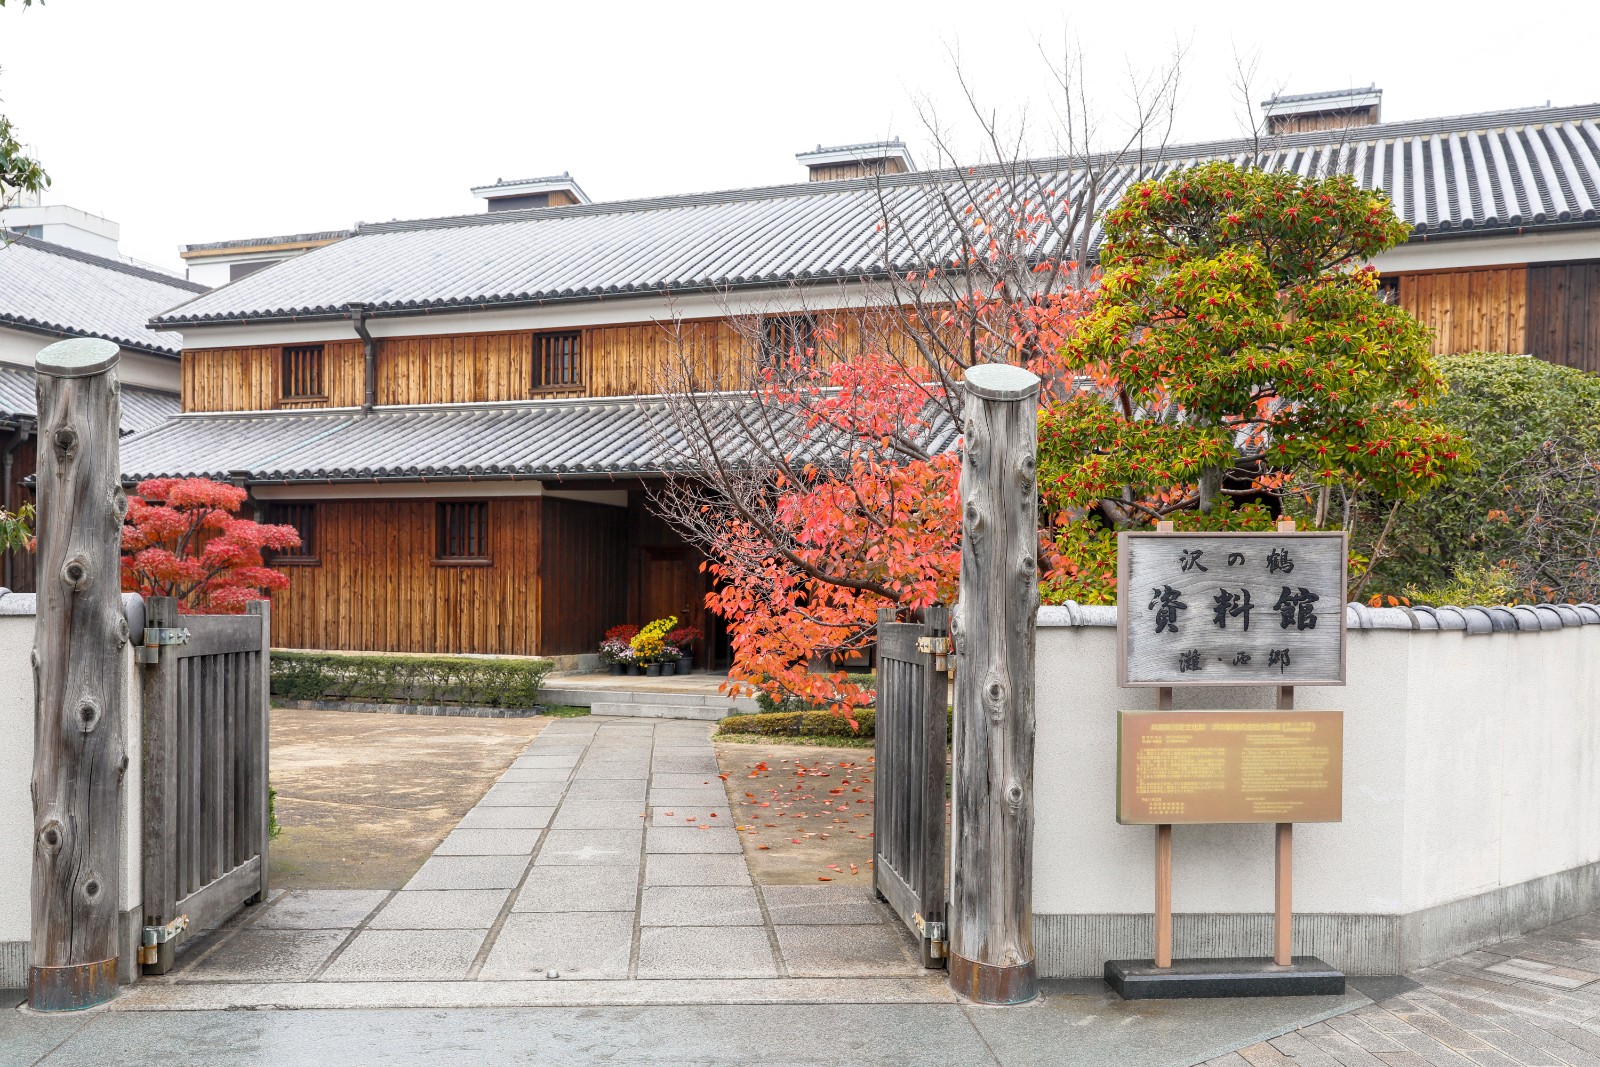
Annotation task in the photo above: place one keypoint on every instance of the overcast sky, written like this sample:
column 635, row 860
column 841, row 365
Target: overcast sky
column 199, row 120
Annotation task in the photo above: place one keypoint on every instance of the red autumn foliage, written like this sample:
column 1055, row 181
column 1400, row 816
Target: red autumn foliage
column 182, row 538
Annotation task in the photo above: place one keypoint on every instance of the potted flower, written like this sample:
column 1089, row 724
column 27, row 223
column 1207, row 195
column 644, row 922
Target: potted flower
column 683, row 640
column 650, row 643
column 615, row 650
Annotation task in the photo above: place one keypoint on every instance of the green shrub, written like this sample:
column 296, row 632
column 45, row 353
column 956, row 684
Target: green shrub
column 1526, row 507
column 799, row 723
column 1473, row 583
column 771, row 705
column 472, row 680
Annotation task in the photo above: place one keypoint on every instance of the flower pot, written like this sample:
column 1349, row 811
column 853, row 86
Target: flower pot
column 685, row 664
column 669, row 666
column 653, row 670
column 635, row 670
column 617, row 668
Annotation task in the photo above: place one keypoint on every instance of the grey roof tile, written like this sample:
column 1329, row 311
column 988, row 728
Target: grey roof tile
column 59, row 290
column 142, row 409
column 524, row 439
column 1450, row 176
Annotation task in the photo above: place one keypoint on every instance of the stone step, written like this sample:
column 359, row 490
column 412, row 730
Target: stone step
column 579, row 696
column 657, row 711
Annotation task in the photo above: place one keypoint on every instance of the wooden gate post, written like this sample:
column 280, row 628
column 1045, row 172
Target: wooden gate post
column 991, row 906
column 78, row 755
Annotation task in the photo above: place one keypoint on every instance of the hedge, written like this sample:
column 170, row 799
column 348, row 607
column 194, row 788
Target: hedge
column 471, row 680
column 802, row 723
column 771, row 704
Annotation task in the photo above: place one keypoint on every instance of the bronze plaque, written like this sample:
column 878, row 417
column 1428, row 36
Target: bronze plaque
column 1230, row 609
column 1230, row 766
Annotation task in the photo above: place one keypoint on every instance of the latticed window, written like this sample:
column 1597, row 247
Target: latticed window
column 301, row 377
column 463, row 531
column 303, row 517
column 557, row 360
column 785, row 337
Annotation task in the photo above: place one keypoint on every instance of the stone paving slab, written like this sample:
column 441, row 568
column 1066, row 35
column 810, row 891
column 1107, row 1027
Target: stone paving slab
column 817, row 951
column 708, row 797
column 406, row 956
column 570, row 889
column 536, row 774
column 692, row 840
column 507, row 818
column 705, row 952
column 286, row 955
column 805, row 905
column 523, row 795
column 588, row 945
column 320, row 909
column 589, row 847
column 700, row 906
column 691, row 815
column 696, row 870
column 600, row 815
column 470, row 872
column 488, row 842
column 441, row 909
column 621, row 788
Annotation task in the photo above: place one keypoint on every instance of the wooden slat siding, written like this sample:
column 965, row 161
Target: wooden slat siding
column 1564, row 314
column 583, row 578
column 377, row 568
column 246, row 379
column 1483, row 310
column 23, row 464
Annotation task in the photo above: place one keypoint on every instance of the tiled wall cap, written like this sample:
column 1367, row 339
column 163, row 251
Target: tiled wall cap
column 28, row 604
column 1524, row 618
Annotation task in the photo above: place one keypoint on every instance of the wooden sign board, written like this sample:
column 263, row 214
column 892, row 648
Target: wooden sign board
column 1229, row 766
column 1230, row 609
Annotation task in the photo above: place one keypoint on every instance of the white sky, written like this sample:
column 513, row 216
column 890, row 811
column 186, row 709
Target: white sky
column 199, row 120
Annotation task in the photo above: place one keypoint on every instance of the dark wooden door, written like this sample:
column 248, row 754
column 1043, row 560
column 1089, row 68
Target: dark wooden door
column 909, row 817
column 670, row 583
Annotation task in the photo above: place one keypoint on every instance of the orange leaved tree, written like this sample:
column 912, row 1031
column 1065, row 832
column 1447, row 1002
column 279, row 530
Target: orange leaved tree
column 183, row 538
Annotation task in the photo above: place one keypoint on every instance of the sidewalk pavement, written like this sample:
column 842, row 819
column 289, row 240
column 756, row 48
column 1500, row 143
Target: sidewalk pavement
column 595, row 908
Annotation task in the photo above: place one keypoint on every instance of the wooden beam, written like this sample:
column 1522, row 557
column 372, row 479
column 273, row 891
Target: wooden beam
column 79, row 634
column 991, row 905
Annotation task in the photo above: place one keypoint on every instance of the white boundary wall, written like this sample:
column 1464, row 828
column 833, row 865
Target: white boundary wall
column 1471, row 799
column 16, row 799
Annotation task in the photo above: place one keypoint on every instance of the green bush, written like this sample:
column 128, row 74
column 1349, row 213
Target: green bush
column 799, row 723
column 1473, row 583
column 472, row 680
column 1520, row 511
column 771, row 705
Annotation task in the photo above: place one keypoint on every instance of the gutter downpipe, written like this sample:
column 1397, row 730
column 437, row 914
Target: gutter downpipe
column 18, row 436
column 358, row 318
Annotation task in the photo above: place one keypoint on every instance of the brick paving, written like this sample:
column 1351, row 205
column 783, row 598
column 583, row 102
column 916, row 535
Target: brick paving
column 606, row 851
column 1532, row 1001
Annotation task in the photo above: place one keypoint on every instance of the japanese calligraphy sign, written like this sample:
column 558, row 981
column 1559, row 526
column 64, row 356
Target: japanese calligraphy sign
column 1230, row 766
column 1230, row 609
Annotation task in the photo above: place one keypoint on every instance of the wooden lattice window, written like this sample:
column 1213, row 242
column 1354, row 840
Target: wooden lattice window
column 463, row 532
column 785, row 337
column 301, row 377
column 303, row 517
column 558, row 360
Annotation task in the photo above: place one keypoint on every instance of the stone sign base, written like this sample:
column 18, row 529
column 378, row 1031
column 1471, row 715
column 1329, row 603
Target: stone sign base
column 1307, row 976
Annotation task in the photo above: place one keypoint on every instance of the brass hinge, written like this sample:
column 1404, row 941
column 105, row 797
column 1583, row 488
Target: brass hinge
column 936, row 934
column 155, row 637
column 940, row 648
column 153, row 937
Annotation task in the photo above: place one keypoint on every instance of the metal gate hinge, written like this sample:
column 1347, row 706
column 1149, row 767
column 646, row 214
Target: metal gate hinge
column 151, row 938
column 156, row 636
column 937, row 934
column 934, row 646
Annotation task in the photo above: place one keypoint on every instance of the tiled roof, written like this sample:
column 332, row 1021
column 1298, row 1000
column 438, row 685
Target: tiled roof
column 260, row 242
column 141, row 408
column 64, row 291
column 1474, row 174
column 523, row 439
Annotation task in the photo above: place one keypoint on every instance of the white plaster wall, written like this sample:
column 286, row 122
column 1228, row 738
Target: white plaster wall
column 20, row 347
column 1470, row 764
column 16, row 773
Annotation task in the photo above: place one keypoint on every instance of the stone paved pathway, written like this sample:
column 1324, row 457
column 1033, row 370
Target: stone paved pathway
column 605, row 852
column 1533, row 1001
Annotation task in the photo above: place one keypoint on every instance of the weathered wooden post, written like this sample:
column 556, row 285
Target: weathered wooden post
column 78, row 754
column 991, row 905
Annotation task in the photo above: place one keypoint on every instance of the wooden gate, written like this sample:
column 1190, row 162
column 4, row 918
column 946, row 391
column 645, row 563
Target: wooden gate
column 205, row 771
column 909, row 811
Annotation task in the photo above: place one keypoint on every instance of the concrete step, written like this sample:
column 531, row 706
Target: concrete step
column 580, row 696
column 657, row 711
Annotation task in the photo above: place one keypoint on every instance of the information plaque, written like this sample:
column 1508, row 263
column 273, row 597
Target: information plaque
column 1230, row 609
column 1230, row 766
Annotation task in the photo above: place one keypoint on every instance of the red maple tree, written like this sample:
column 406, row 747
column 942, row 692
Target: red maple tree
column 183, row 538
